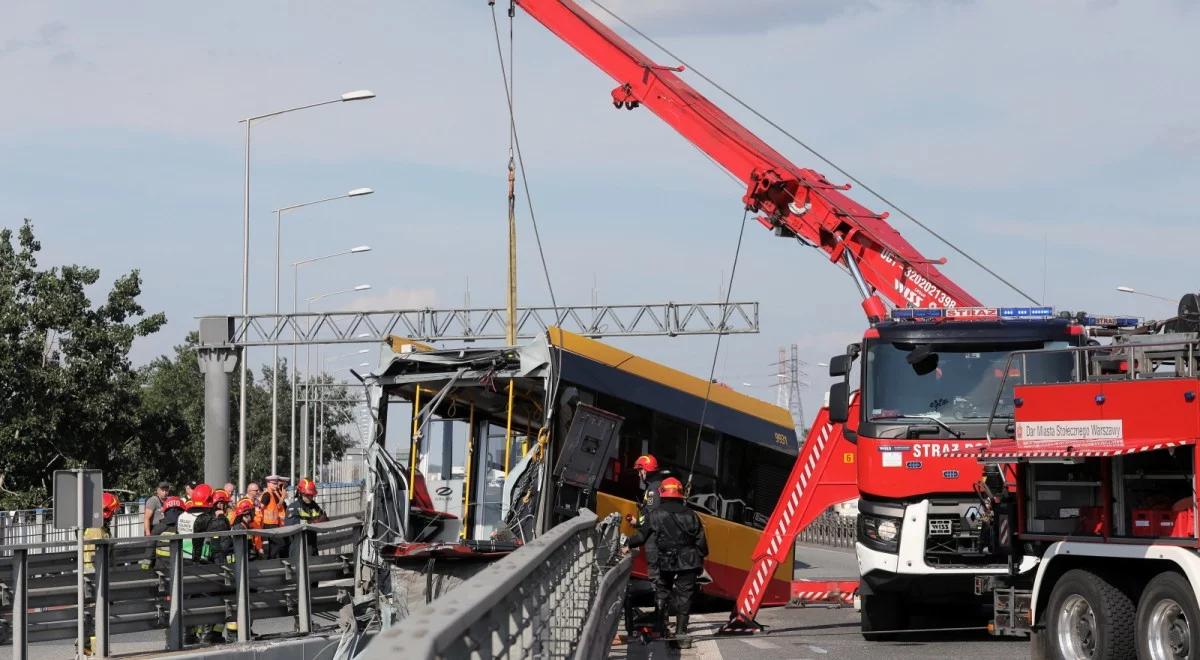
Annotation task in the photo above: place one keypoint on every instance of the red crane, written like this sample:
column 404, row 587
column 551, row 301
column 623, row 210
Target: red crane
column 794, row 202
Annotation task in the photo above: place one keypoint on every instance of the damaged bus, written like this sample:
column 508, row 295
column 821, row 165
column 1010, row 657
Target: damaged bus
column 478, row 450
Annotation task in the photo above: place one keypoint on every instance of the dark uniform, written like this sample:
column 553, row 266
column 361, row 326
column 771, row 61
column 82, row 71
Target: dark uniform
column 650, row 500
column 310, row 512
column 682, row 547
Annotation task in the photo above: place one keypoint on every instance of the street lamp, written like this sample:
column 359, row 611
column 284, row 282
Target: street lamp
column 356, row 95
column 1129, row 289
column 357, row 192
column 308, row 378
column 296, row 265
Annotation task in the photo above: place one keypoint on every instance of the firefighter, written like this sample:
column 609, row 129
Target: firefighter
column 220, row 501
column 172, row 508
column 273, row 509
column 682, row 547
column 109, row 505
column 650, row 478
column 305, row 509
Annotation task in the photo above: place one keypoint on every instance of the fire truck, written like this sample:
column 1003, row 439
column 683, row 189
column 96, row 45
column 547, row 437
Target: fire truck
column 1099, row 441
column 929, row 361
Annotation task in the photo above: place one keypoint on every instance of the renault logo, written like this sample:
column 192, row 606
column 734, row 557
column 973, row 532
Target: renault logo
column 972, row 515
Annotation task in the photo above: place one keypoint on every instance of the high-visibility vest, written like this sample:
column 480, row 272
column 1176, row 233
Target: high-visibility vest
column 273, row 510
column 186, row 525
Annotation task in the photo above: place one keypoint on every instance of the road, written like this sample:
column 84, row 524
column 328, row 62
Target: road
column 821, row 633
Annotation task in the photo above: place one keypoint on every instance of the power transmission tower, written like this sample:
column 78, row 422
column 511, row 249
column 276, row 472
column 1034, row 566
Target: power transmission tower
column 789, row 381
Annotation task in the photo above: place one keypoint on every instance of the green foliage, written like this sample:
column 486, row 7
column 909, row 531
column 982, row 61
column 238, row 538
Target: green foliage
column 68, row 394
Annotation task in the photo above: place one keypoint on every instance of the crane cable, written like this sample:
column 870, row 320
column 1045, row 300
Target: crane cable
column 712, row 370
column 817, row 154
column 515, row 143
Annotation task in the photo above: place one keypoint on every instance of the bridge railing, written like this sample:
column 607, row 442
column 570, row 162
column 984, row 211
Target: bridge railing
column 130, row 587
column 559, row 596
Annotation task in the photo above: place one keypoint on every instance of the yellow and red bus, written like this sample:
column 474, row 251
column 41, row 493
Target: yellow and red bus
column 487, row 445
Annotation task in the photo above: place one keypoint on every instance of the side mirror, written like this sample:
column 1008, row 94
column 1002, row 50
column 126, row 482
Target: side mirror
column 839, row 365
column 839, row 401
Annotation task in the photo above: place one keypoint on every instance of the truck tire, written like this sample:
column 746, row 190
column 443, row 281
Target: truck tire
column 1168, row 619
column 1088, row 618
column 881, row 615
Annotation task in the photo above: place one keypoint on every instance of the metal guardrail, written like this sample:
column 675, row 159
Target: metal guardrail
column 124, row 596
column 559, row 596
column 830, row 528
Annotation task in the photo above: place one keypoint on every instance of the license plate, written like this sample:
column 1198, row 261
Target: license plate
column 940, row 528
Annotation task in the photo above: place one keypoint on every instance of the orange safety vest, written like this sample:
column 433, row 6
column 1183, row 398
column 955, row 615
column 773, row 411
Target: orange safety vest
column 274, row 512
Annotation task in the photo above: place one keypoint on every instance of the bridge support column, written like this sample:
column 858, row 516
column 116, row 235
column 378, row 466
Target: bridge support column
column 217, row 361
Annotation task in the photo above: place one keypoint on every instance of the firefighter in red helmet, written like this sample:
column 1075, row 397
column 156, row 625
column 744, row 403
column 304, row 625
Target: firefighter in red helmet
column 682, row 547
column 305, row 509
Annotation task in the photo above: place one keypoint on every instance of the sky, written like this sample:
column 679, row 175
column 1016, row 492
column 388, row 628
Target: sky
column 1057, row 142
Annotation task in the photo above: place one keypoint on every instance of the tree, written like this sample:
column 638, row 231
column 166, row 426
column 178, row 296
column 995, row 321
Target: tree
column 68, row 394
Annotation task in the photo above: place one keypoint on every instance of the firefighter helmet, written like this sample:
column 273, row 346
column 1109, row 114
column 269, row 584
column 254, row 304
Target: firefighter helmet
column 647, row 463
column 244, row 506
column 111, row 504
column 220, row 495
column 172, row 502
column 307, row 487
column 670, row 488
column 202, row 496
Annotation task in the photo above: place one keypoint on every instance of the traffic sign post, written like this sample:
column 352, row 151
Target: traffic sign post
column 84, row 509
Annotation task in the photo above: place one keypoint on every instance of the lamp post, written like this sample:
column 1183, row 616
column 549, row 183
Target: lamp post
column 1129, row 289
column 304, row 462
column 296, row 265
column 357, row 95
column 357, row 192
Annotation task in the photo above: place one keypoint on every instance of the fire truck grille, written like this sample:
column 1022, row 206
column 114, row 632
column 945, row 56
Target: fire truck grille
column 949, row 541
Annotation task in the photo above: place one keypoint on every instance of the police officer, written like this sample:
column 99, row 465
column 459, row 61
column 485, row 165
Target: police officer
column 682, row 547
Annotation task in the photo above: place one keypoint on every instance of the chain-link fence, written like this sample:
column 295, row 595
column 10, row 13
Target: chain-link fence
column 830, row 528
column 559, row 596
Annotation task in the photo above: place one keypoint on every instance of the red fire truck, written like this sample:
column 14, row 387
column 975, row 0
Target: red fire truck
column 929, row 369
column 1101, row 515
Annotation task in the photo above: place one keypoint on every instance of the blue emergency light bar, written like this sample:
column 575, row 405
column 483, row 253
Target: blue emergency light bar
column 973, row 313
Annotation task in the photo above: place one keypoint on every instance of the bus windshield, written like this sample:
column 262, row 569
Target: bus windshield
column 953, row 381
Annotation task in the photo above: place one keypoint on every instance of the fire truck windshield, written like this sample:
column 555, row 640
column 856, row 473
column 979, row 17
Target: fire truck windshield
column 952, row 382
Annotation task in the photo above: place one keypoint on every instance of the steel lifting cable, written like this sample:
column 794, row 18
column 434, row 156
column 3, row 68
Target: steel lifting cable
column 516, row 143
column 818, row 155
column 712, row 370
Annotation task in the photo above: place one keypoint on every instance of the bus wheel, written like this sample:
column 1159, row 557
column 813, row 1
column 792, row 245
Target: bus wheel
column 1089, row 619
column 881, row 616
column 1168, row 620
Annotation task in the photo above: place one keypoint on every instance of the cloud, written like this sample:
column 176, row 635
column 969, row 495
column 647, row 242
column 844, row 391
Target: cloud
column 675, row 17
column 396, row 298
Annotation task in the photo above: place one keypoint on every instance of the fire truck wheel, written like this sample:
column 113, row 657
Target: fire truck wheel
column 1168, row 619
column 1088, row 618
column 882, row 615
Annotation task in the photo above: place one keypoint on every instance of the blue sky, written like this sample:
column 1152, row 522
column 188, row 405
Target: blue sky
column 1031, row 133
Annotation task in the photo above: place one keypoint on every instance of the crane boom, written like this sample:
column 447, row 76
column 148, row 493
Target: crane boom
column 792, row 200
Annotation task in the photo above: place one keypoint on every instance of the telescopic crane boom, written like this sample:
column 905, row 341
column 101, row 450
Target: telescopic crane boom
column 792, row 200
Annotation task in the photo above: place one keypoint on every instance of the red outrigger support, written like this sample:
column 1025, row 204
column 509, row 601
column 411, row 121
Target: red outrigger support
column 825, row 473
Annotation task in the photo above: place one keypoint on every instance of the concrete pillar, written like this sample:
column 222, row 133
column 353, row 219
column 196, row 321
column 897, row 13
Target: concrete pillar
column 217, row 365
column 218, row 358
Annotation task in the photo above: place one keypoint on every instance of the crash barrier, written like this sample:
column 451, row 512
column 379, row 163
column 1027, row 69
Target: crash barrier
column 36, row 526
column 125, row 593
column 558, row 596
column 830, row 528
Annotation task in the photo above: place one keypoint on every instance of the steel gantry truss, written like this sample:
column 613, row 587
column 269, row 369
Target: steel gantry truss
column 485, row 323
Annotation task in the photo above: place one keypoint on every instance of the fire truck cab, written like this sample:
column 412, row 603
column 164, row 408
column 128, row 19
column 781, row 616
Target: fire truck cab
column 1103, row 501
column 930, row 379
